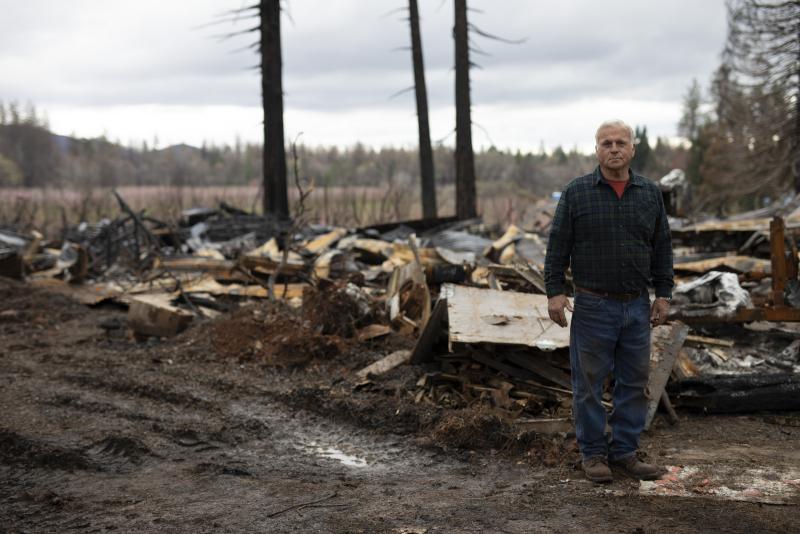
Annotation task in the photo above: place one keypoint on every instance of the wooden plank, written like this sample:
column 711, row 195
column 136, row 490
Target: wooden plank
column 511, row 371
column 778, row 257
column 738, row 264
column 665, row 343
column 709, row 341
column 404, row 253
column 88, row 295
column 372, row 331
column 322, row 265
column 195, row 263
column 386, row 364
column 667, row 405
column 153, row 315
column 479, row 315
column 324, row 241
column 210, row 253
column 210, row 285
column 543, row 369
column 269, row 265
column 376, row 247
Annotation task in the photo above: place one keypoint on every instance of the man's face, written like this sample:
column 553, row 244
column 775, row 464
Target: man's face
column 614, row 148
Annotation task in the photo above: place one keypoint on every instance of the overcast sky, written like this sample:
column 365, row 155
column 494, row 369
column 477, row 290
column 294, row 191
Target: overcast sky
column 140, row 70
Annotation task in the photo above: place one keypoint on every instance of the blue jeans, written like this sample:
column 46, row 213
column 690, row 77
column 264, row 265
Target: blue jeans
column 609, row 336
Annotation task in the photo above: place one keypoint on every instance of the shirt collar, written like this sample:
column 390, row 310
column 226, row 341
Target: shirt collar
column 634, row 179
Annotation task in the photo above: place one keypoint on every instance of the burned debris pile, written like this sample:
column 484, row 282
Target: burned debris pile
column 738, row 290
column 465, row 304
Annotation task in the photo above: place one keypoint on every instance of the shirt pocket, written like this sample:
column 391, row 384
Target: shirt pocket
column 646, row 215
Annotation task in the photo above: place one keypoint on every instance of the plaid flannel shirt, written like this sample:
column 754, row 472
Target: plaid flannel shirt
column 618, row 245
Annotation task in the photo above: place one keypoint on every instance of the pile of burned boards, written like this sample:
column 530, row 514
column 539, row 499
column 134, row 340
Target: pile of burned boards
column 471, row 297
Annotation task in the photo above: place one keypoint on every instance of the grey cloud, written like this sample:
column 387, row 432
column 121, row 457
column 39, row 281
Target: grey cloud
column 341, row 59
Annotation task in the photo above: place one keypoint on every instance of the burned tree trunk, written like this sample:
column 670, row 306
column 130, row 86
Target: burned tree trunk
column 465, row 158
column 276, row 199
column 428, row 182
column 796, row 138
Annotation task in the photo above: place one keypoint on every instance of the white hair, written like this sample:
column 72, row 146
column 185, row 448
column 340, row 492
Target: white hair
column 616, row 123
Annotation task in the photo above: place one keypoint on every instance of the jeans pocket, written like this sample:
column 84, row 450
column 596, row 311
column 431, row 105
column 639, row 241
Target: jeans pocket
column 588, row 302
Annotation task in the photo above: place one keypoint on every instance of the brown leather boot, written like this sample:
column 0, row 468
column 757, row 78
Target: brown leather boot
column 635, row 468
column 596, row 469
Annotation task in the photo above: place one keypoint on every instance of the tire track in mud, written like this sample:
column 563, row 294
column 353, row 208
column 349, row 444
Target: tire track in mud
column 341, row 447
column 28, row 453
column 290, row 432
column 252, row 426
column 145, row 390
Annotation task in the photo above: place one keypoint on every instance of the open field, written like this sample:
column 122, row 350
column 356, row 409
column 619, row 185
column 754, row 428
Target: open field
column 47, row 210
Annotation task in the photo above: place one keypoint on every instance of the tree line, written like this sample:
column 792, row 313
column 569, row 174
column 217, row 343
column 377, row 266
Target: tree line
column 32, row 156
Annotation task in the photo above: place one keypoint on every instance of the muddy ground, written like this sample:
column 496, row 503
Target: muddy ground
column 232, row 427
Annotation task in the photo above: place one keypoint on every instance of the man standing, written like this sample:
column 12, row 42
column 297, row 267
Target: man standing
column 611, row 227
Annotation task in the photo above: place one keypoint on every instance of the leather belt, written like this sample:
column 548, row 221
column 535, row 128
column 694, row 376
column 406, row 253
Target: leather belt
column 622, row 297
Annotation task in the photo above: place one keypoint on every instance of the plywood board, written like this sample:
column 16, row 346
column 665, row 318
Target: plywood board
column 665, row 343
column 479, row 315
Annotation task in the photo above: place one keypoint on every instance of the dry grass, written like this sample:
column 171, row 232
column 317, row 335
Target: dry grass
column 50, row 210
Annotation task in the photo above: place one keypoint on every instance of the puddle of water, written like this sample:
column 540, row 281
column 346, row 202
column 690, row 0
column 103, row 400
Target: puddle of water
column 326, row 451
column 335, row 454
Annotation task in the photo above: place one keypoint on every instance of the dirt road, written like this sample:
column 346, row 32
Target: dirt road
column 98, row 433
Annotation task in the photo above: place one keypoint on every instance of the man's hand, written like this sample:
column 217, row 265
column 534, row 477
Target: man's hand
column 659, row 311
column 555, row 308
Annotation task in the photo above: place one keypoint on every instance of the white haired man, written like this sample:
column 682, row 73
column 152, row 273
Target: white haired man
column 611, row 227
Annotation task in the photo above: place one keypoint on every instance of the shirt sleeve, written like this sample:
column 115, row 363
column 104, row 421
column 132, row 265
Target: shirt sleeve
column 559, row 247
column 661, row 259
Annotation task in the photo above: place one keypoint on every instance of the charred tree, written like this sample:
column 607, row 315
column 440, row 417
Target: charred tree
column 428, row 181
column 276, row 198
column 764, row 47
column 464, row 155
